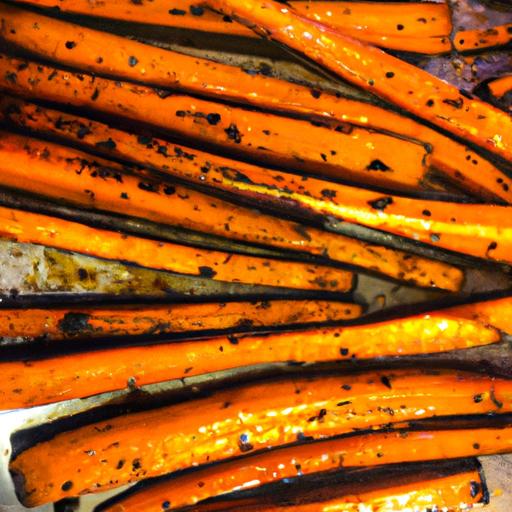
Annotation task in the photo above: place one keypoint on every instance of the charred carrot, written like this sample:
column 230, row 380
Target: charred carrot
column 359, row 155
column 26, row 227
column 365, row 18
column 470, row 40
column 170, row 69
column 79, row 375
column 65, row 174
column 390, row 78
column 456, row 493
column 103, row 322
column 448, row 487
column 479, row 230
column 132, row 447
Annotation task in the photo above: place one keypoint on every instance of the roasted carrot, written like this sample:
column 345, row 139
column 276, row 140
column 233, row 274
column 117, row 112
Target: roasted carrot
column 135, row 446
column 62, row 173
column 470, row 40
column 501, row 86
column 495, row 312
column 26, row 227
column 456, row 493
column 171, row 69
column 78, row 375
column 479, row 230
column 392, row 79
column 359, row 155
column 364, row 18
column 442, row 489
column 61, row 324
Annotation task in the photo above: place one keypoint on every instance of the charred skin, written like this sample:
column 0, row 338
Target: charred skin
column 236, row 421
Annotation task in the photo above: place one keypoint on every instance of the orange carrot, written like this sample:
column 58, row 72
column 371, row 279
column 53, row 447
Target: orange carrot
column 132, row 447
column 164, row 68
column 359, row 155
column 26, row 227
column 442, row 490
column 392, row 79
column 81, row 323
column 78, row 375
column 500, row 86
column 470, row 40
column 479, row 230
column 66, row 174
column 418, row 19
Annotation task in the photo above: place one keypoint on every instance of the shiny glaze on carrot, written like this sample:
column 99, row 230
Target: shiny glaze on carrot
column 81, row 323
column 63, row 173
column 479, row 230
column 419, row 20
column 235, row 421
column 495, row 312
column 28, row 383
column 390, row 78
column 451, row 491
column 456, row 493
column 171, row 69
column 26, row 227
column 359, row 155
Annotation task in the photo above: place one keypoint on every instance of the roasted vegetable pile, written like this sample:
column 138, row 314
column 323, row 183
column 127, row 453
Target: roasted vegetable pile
column 305, row 207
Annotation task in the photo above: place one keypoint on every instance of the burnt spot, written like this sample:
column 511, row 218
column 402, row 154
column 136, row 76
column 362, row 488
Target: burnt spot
column 120, row 464
column 144, row 140
column 400, row 27
column 377, row 165
column 328, row 193
column 475, row 489
column 136, row 464
column 169, row 190
column 70, row 45
column 244, row 444
column 476, row 446
column 385, row 380
column 82, row 274
column 177, row 12
column 132, row 61
column 458, row 103
column 75, row 323
column 95, row 94
column 106, row 144
column 162, row 150
column 83, row 131
column 478, row 398
column 427, row 213
column 207, row 272
column 124, row 195
column 390, row 74
column 233, row 174
column 435, row 237
column 67, row 486
column 163, row 93
column 213, row 119
column 181, row 113
column 233, row 340
column 430, row 103
column 346, row 387
column 166, row 505
column 316, row 94
column 10, row 76
column 148, row 187
column 492, row 246
column 381, row 204
column 233, row 133
column 345, row 402
column 344, row 351
column 196, row 10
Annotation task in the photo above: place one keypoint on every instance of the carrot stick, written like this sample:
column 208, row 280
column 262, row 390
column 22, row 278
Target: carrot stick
column 253, row 417
column 471, row 40
column 40, row 229
column 360, row 155
column 103, row 322
column 418, row 19
column 79, row 375
column 164, row 68
column 480, row 230
column 394, row 80
column 66, row 174
column 495, row 312
column 444, row 489
column 454, row 492
column 501, row 86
